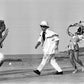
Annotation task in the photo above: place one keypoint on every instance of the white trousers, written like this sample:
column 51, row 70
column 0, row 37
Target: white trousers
column 49, row 50
column 51, row 59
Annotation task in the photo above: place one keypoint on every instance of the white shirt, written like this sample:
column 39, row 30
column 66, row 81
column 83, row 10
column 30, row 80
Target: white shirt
column 50, row 39
column 48, row 34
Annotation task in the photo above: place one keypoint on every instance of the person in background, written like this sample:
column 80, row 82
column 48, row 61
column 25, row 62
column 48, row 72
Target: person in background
column 3, row 32
column 3, row 35
column 73, row 47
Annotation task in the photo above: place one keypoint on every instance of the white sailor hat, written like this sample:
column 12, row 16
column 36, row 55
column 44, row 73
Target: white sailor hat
column 44, row 24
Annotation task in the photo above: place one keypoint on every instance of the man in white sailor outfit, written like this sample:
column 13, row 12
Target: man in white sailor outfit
column 50, row 42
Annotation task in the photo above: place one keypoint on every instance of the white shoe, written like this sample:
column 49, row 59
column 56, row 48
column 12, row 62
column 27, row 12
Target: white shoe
column 75, row 71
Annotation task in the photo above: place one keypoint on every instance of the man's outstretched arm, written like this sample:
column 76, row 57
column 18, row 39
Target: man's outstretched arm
column 38, row 43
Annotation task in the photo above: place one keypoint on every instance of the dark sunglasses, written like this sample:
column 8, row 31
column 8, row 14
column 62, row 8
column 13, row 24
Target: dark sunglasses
column 44, row 26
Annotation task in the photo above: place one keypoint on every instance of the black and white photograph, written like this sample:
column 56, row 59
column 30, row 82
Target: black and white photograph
column 41, row 41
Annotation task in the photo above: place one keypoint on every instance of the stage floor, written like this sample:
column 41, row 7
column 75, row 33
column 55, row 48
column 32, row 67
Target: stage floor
column 21, row 72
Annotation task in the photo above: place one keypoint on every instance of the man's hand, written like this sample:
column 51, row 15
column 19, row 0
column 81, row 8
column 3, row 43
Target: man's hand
column 37, row 45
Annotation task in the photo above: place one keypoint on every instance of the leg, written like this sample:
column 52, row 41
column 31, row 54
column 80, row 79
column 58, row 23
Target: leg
column 44, row 60
column 76, row 53
column 72, row 60
column 55, row 65
column 54, row 49
column 77, row 58
column 42, row 64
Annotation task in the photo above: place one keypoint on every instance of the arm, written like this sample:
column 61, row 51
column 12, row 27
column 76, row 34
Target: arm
column 68, row 32
column 4, row 36
column 75, row 25
column 38, row 43
column 2, row 28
